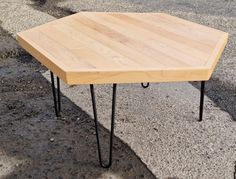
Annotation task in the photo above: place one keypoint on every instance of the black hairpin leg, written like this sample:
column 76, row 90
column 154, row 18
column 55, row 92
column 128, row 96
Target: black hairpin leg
column 234, row 170
column 96, row 125
column 145, row 86
column 201, row 100
column 56, row 97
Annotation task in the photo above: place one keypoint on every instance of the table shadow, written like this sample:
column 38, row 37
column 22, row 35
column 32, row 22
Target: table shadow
column 221, row 93
column 36, row 144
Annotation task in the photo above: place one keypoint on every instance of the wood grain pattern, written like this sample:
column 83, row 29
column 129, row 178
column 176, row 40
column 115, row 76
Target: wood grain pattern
column 97, row 47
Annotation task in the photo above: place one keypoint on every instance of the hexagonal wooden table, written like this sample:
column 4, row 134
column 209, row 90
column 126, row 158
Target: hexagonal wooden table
column 97, row 48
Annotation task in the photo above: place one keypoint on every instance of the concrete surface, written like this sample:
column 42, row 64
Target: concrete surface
column 158, row 123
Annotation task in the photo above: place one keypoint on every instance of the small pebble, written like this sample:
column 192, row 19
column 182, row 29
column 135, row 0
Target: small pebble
column 142, row 176
column 52, row 139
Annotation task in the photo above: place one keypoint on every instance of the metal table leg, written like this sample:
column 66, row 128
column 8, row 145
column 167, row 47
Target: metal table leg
column 235, row 170
column 112, row 125
column 56, row 97
column 145, row 86
column 57, row 106
column 201, row 100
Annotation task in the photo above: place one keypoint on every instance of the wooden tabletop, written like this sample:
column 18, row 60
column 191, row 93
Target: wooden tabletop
column 97, row 47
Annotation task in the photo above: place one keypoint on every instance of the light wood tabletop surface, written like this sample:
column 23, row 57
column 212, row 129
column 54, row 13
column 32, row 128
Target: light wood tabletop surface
column 99, row 47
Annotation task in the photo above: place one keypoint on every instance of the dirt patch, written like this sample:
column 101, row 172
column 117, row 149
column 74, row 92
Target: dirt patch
column 223, row 95
column 8, row 46
column 35, row 144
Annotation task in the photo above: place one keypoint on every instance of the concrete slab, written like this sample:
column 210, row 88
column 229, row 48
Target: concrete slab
column 18, row 15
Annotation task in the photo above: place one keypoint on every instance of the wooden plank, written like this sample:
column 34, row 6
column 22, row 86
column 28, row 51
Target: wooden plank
column 130, row 43
column 114, row 43
column 96, row 77
column 161, row 27
column 116, row 60
column 155, row 42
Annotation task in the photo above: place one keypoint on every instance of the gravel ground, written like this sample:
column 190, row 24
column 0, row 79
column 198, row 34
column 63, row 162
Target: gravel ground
column 165, row 137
